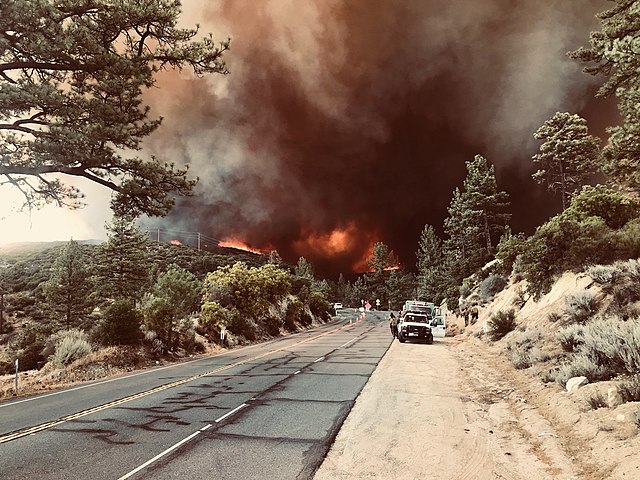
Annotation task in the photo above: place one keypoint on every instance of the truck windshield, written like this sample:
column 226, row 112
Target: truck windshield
column 416, row 318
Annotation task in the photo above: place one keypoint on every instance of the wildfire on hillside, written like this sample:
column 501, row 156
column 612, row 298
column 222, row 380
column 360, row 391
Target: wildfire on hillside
column 239, row 245
column 176, row 242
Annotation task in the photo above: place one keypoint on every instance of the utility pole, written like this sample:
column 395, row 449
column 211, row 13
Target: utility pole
column 158, row 235
column 198, row 241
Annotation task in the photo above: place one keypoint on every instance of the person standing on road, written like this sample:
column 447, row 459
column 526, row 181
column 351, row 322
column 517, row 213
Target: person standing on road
column 393, row 325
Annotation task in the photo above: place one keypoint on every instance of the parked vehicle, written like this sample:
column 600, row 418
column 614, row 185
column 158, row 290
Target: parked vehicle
column 414, row 326
column 439, row 323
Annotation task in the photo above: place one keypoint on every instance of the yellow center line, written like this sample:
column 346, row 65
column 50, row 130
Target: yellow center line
column 38, row 428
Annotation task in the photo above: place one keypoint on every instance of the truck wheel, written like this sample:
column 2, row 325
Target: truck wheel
column 400, row 338
column 429, row 341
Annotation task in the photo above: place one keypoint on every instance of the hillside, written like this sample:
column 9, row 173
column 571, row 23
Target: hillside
column 584, row 326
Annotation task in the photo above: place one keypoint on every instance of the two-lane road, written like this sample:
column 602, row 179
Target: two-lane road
column 267, row 411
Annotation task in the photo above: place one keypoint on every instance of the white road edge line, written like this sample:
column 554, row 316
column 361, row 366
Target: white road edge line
column 231, row 412
column 295, row 373
column 206, row 427
column 319, row 359
column 345, row 344
column 168, row 450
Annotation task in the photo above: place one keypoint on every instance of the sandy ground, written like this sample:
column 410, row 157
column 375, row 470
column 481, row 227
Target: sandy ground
column 457, row 410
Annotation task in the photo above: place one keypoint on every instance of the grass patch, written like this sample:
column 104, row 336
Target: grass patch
column 596, row 400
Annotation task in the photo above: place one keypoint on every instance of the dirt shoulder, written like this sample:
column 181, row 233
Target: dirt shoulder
column 458, row 410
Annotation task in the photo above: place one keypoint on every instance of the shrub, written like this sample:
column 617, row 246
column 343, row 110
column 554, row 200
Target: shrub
column 524, row 351
column 554, row 317
column 571, row 338
column 596, row 400
column 581, row 365
column 602, row 274
column 272, row 325
column 490, row 286
column 521, row 358
column 120, row 324
column 580, row 306
column 56, row 338
column 521, row 297
column 630, row 389
column 605, row 348
column 501, row 323
column 241, row 325
column 293, row 314
column 71, row 346
column 29, row 345
column 319, row 305
column 509, row 249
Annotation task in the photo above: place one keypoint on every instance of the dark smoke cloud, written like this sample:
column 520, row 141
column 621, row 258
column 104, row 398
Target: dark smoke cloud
column 345, row 122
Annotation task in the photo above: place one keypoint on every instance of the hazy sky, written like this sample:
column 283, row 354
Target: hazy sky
column 344, row 122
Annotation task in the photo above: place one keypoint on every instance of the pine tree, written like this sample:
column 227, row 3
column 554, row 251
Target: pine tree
column 304, row 269
column 430, row 264
column 123, row 266
column 477, row 219
column 68, row 289
column 568, row 157
column 72, row 77
column 613, row 53
column 176, row 294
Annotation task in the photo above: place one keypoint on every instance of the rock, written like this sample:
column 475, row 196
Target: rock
column 613, row 397
column 620, row 417
column 573, row 384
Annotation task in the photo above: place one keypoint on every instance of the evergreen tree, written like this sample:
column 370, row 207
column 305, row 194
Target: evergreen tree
column 72, row 76
column 304, row 269
column 613, row 53
column 477, row 219
column 176, row 294
column 430, row 265
column 68, row 289
column 381, row 260
column 123, row 264
column 568, row 157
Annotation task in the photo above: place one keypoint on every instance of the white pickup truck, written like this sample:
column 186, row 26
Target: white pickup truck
column 415, row 326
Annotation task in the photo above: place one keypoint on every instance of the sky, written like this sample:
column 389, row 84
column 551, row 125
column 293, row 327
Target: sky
column 346, row 122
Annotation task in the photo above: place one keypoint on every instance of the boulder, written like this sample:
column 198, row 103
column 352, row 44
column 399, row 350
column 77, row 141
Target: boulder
column 573, row 384
column 613, row 397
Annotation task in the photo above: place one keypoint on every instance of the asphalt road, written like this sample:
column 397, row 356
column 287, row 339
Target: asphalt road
column 267, row 411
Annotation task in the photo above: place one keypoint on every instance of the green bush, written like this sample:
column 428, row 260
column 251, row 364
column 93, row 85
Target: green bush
column 241, row 325
column 293, row 314
column 490, row 286
column 120, row 324
column 509, row 249
column 213, row 316
column 319, row 305
column 70, row 347
column 56, row 338
column 501, row 323
column 272, row 325
column 29, row 345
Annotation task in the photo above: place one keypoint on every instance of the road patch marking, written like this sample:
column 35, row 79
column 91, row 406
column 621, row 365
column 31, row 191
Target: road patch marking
column 38, row 428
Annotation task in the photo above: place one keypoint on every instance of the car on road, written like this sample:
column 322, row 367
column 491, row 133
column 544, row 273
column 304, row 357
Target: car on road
column 337, row 306
column 415, row 326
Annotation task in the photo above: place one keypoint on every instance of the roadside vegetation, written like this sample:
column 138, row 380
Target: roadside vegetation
column 155, row 301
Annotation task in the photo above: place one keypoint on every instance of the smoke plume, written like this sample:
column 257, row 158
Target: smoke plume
column 345, row 122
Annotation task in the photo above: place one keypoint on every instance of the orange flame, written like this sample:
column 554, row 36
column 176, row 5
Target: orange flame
column 176, row 242
column 239, row 245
